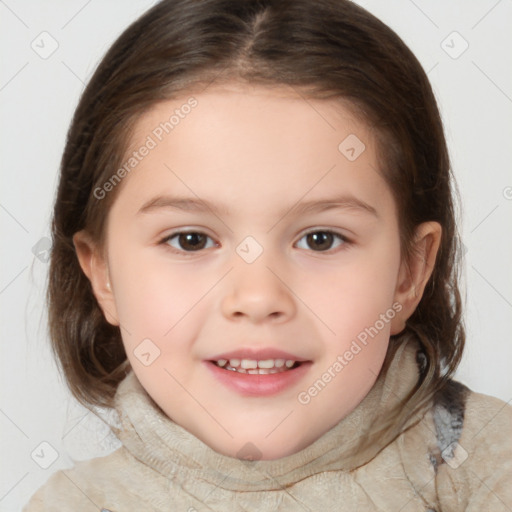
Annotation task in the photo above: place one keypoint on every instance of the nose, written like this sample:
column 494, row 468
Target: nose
column 258, row 294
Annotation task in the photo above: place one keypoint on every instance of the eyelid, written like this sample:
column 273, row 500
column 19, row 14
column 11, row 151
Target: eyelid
column 317, row 229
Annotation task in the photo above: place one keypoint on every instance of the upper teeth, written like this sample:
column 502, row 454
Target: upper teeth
column 253, row 363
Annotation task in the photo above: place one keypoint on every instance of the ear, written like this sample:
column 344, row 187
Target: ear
column 414, row 274
column 95, row 267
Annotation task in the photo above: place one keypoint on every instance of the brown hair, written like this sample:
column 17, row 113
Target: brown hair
column 328, row 49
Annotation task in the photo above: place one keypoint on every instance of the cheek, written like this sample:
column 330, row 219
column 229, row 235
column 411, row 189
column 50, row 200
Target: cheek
column 357, row 306
column 152, row 296
column 352, row 295
column 167, row 304
column 158, row 312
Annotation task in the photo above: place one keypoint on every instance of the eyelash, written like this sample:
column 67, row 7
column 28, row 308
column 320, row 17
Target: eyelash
column 165, row 240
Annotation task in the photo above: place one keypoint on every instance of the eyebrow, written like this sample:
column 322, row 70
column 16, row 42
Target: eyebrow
column 190, row 204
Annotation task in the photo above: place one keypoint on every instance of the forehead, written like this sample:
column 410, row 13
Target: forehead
column 251, row 142
column 251, row 110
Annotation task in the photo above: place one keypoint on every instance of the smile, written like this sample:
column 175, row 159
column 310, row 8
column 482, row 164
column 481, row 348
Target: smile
column 255, row 367
column 256, row 381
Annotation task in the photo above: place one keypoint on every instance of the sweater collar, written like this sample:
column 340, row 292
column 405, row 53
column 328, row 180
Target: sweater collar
column 160, row 443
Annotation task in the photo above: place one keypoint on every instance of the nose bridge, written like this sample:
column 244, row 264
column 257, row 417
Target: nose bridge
column 255, row 288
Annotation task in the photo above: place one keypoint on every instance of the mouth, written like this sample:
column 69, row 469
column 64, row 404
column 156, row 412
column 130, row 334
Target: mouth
column 259, row 377
column 257, row 367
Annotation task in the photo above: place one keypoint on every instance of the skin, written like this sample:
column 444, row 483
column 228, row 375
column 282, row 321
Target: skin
column 258, row 152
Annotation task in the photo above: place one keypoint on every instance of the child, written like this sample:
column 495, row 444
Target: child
column 255, row 262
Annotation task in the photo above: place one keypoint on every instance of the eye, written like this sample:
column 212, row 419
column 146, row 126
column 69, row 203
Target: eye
column 188, row 241
column 323, row 240
column 195, row 241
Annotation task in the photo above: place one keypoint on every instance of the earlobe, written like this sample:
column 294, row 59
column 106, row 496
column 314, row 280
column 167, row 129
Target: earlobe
column 95, row 267
column 414, row 274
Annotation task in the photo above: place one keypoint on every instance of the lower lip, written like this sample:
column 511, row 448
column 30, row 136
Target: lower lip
column 248, row 384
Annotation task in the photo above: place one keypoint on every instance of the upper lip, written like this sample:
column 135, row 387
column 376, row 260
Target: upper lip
column 258, row 355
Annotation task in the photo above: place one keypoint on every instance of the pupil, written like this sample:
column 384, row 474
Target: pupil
column 323, row 239
column 192, row 240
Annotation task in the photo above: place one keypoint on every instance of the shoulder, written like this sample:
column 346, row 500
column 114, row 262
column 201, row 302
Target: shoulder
column 477, row 422
column 488, row 423
column 112, row 482
column 474, row 438
column 487, row 438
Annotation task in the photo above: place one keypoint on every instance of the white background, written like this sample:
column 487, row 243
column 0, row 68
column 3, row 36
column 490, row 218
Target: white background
column 37, row 100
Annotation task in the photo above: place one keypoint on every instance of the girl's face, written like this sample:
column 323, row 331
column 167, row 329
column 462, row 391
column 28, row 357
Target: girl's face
column 253, row 225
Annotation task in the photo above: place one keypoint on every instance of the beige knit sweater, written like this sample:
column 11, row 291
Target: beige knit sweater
column 456, row 457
